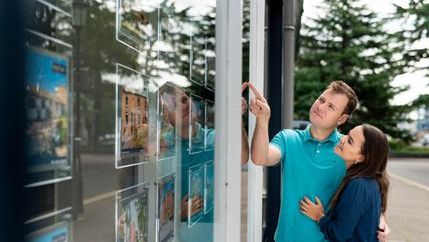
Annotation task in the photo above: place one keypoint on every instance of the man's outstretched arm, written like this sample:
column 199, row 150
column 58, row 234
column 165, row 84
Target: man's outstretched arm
column 262, row 153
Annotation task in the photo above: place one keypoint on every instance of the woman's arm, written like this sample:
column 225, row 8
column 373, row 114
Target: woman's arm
column 348, row 210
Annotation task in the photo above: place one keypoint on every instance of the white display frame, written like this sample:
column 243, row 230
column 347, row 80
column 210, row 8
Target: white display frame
column 70, row 118
column 207, row 54
column 158, row 129
column 208, row 205
column 65, row 219
column 193, row 97
column 206, row 110
column 195, row 170
column 142, row 189
column 143, row 159
column 200, row 80
column 163, row 180
column 134, row 42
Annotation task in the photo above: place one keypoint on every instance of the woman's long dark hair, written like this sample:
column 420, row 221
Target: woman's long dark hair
column 376, row 152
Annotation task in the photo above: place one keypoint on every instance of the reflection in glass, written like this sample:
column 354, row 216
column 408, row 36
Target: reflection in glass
column 196, row 123
column 47, row 102
column 196, row 189
column 166, row 121
column 211, row 67
column 198, row 60
column 166, row 214
column 132, row 105
column 49, row 18
column 137, row 23
column 55, row 227
column 210, row 122
column 58, row 233
column 132, row 214
column 208, row 186
column 152, row 116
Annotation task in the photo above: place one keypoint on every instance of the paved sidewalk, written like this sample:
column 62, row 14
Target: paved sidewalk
column 408, row 211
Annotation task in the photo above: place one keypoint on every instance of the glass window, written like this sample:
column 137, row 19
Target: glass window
column 120, row 120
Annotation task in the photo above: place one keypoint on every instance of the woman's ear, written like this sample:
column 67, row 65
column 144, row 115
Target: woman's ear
column 361, row 158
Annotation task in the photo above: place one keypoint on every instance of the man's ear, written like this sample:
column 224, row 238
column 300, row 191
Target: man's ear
column 342, row 119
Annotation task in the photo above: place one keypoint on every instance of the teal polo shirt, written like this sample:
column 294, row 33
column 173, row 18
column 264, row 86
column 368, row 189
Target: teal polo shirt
column 309, row 168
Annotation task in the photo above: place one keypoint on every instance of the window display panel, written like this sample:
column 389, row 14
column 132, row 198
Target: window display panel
column 54, row 227
column 210, row 63
column 58, row 233
column 132, row 214
column 196, row 193
column 197, row 133
column 166, row 122
column 198, row 59
column 137, row 24
column 48, row 152
column 210, row 122
column 139, row 111
column 132, row 117
column 166, row 214
column 208, row 186
column 49, row 18
column 195, row 224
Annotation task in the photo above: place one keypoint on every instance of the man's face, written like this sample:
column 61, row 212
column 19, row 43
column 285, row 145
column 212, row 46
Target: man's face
column 185, row 108
column 327, row 111
column 177, row 103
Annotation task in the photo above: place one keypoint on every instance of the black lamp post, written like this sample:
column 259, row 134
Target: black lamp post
column 80, row 8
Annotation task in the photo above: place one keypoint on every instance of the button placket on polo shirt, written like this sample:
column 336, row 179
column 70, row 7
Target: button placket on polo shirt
column 317, row 152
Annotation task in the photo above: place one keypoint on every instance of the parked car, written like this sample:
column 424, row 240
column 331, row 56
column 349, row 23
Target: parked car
column 425, row 140
column 300, row 124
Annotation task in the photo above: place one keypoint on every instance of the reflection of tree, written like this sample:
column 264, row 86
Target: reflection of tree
column 100, row 53
column 48, row 21
column 177, row 29
column 142, row 218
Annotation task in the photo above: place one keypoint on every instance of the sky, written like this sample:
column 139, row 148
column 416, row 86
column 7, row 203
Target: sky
column 417, row 81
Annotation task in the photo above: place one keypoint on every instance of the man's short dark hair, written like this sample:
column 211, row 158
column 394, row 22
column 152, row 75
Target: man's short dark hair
column 340, row 87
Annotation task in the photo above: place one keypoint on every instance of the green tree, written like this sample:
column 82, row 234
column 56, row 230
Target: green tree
column 415, row 18
column 349, row 44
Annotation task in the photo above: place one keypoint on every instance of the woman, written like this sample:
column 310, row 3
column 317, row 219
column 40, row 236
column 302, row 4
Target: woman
column 355, row 209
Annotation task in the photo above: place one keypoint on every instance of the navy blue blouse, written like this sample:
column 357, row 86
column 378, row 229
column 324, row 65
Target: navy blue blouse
column 357, row 214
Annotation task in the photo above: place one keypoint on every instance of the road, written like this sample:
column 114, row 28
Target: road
column 407, row 215
column 408, row 207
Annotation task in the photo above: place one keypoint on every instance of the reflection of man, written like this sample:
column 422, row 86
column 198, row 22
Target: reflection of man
column 197, row 142
column 177, row 113
column 167, row 210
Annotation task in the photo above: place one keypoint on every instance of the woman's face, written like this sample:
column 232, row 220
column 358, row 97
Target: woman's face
column 350, row 146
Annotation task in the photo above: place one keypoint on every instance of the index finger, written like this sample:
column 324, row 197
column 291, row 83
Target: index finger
column 244, row 86
column 256, row 92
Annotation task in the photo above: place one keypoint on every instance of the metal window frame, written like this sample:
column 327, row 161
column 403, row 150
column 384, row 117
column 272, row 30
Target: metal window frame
column 228, row 114
column 255, row 173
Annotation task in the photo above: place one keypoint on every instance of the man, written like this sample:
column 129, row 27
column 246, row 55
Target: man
column 309, row 165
